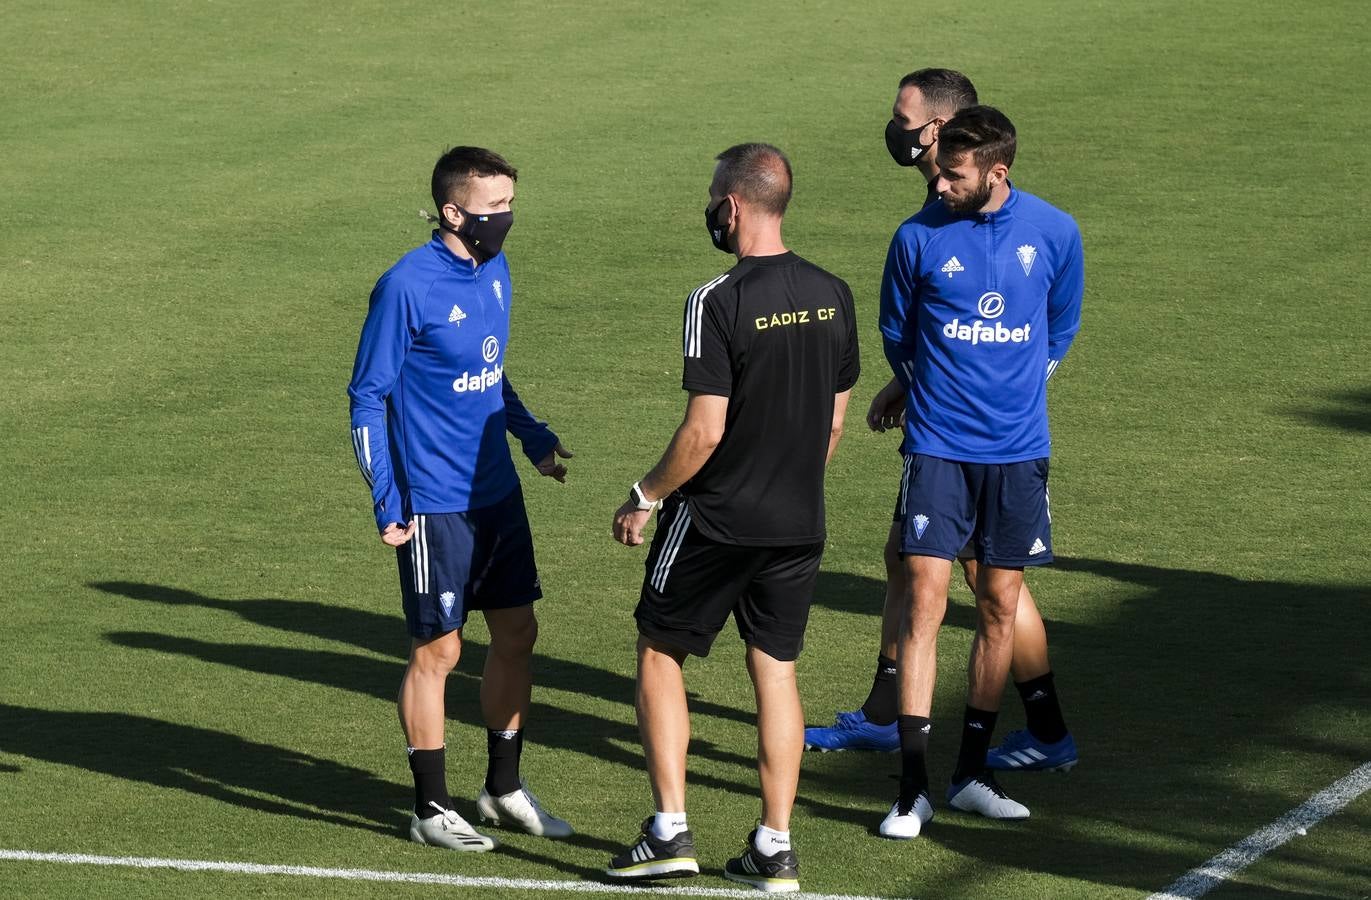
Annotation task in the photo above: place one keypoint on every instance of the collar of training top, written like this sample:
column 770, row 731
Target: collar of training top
column 1005, row 212
column 775, row 259
column 466, row 266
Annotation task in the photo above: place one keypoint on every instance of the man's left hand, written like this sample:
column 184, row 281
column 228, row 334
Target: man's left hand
column 629, row 522
column 551, row 467
column 887, row 408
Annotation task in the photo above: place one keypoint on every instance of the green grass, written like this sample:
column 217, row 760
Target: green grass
column 201, row 633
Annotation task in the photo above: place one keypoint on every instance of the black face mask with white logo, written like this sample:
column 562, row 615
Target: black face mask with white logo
column 718, row 226
column 904, row 145
column 483, row 232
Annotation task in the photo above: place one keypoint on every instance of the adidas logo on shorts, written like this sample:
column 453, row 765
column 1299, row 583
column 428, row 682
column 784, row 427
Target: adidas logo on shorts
column 1038, row 547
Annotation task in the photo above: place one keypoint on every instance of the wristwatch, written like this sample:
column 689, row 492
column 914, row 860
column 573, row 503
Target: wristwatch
column 635, row 497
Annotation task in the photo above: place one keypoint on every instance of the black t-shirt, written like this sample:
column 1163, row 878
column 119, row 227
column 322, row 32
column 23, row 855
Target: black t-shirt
column 777, row 336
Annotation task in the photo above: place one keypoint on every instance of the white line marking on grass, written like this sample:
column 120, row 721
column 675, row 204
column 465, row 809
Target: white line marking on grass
column 466, row 881
column 1203, row 879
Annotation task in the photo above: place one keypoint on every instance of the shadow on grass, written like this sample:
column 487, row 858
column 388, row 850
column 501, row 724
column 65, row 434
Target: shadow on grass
column 385, row 635
column 845, row 592
column 594, row 736
column 1182, row 704
column 1348, row 410
column 1191, row 709
column 212, row 764
column 550, row 725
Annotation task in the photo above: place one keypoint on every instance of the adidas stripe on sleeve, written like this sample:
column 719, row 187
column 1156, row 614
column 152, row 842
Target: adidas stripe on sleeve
column 386, row 338
column 708, row 368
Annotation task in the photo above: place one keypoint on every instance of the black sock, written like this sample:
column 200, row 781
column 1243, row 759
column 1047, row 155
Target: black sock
column 502, row 766
column 977, row 726
column 1044, row 711
column 882, row 705
column 430, row 781
column 914, row 731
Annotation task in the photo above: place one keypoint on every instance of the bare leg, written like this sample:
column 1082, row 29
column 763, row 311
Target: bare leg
column 996, row 599
column 422, row 691
column 507, row 681
column 663, row 721
column 970, row 570
column 1030, row 640
column 1030, row 636
column 896, row 595
column 918, row 648
column 780, row 735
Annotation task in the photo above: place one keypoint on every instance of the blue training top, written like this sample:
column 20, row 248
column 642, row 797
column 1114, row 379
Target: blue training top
column 976, row 311
column 429, row 399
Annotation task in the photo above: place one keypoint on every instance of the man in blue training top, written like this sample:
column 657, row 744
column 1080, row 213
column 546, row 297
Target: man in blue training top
column 925, row 100
column 430, row 405
column 980, row 300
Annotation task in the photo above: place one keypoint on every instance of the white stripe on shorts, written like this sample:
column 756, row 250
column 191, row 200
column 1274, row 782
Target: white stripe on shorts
column 428, row 563
column 414, row 556
column 419, row 556
column 671, row 546
column 904, row 482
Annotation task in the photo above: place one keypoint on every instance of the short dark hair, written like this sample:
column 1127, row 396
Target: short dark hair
column 459, row 165
column 983, row 131
column 943, row 90
column 759, row 173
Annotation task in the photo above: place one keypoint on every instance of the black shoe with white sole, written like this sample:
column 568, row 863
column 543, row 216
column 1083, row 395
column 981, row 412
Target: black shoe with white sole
column 777, row 873
column 652, row 858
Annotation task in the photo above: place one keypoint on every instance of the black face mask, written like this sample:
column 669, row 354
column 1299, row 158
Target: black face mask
column 483, row 232
column 904, row 145
column 718, row 226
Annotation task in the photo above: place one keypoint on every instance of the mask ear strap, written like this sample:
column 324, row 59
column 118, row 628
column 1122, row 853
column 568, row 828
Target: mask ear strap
column 441, row 221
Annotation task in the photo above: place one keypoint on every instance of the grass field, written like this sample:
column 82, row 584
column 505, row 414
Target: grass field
column 201, row 640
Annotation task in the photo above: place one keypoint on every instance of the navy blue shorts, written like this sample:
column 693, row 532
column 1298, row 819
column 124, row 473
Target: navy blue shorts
column 457, row 562
column 1000, row 509
column 694, row 583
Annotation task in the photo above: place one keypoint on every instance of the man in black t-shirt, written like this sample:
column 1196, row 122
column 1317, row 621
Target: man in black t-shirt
column 770, row 358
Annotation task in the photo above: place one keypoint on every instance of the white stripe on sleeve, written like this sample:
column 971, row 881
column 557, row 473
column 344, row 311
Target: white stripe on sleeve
column 695, row 314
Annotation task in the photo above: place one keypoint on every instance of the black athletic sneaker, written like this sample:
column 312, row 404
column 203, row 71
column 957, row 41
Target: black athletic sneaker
column 777, row 873
column 652, row 858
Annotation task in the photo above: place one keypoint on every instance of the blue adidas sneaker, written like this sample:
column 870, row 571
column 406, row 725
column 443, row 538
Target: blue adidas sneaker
column 1020, row 751
column 851, row 731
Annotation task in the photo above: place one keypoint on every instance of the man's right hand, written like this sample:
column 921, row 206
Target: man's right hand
column 395, row 536
column 887, row 407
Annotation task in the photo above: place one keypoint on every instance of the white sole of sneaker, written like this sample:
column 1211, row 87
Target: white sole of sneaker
column 664, row 868
column 770, row 885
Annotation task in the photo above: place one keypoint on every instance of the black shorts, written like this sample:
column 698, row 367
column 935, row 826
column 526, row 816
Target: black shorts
column 457, row 562
column 693, row 583
column 1001, row 510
